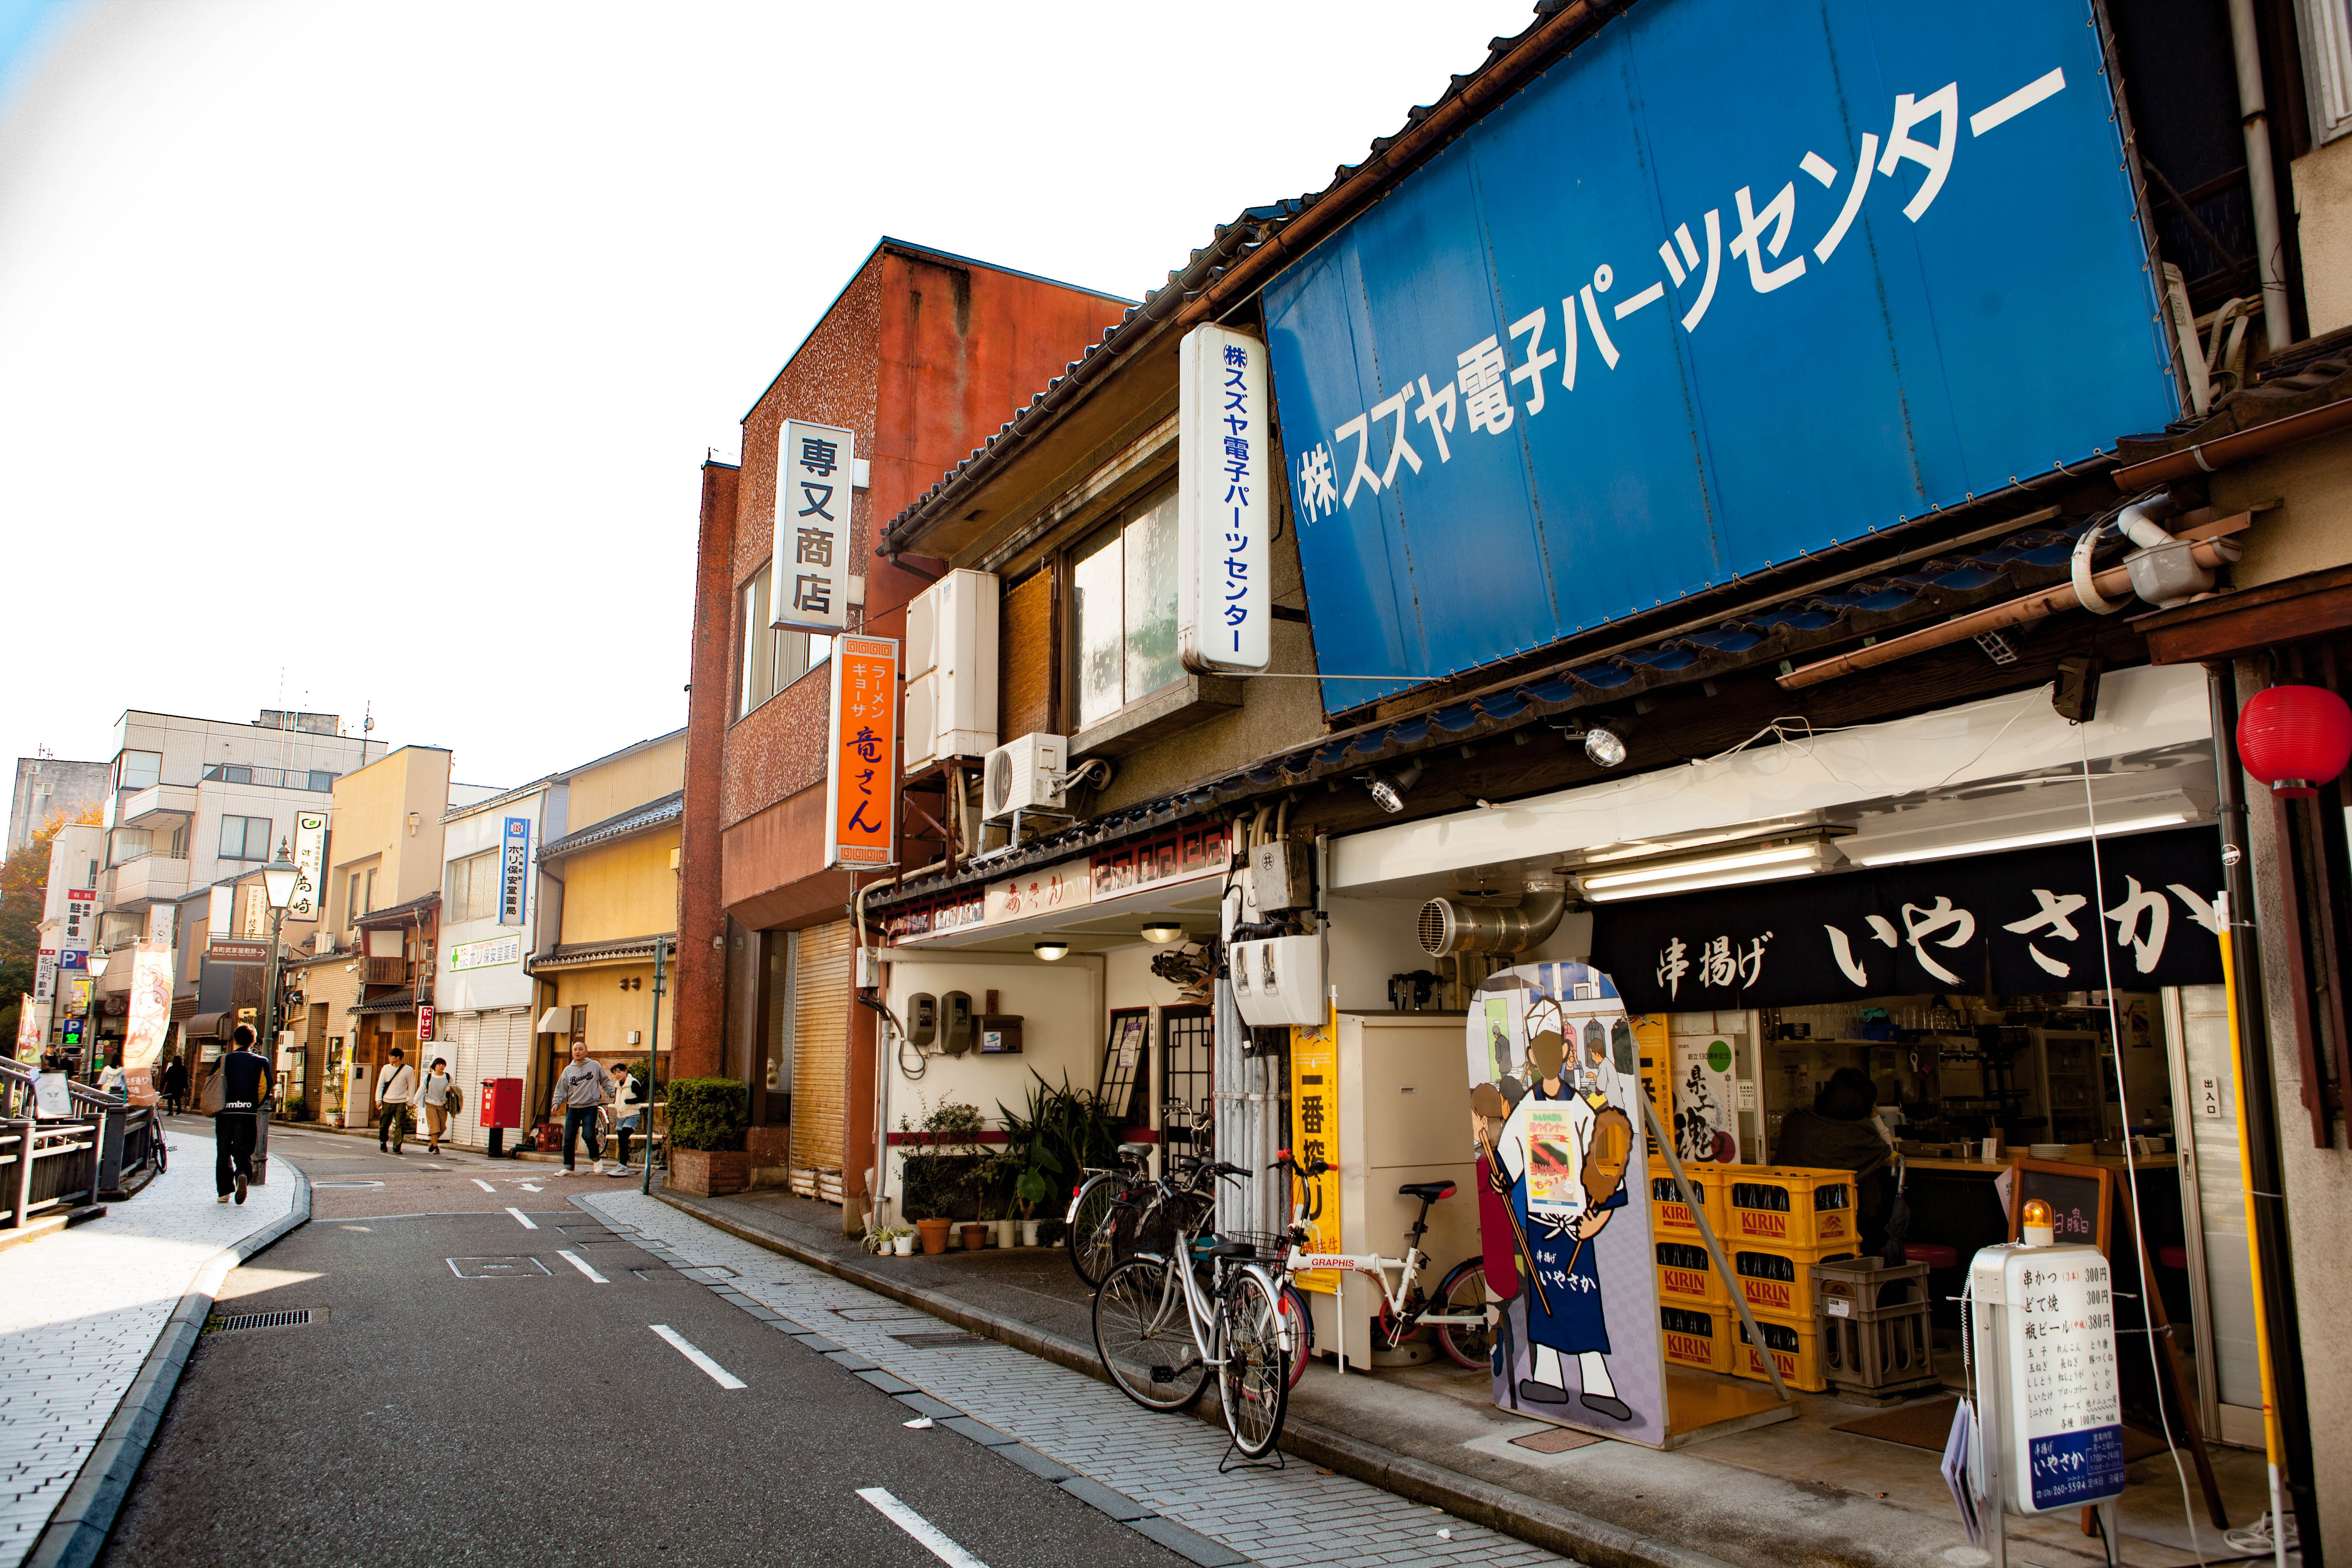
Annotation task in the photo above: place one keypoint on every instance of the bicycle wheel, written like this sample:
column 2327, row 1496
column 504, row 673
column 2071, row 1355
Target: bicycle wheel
column 1254, row 1382
column 1090, row 1228
column 1462, row 1292
column 1302, row 1329
column 1144, row 1335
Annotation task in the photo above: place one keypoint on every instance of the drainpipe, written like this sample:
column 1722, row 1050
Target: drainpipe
column 2264, row 1175
column 2254, row 114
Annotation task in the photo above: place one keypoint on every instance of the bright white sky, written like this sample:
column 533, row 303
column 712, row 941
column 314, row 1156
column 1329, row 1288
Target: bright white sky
column 372, row 349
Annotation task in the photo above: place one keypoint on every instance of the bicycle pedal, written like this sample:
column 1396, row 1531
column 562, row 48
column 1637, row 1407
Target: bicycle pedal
column 1163, row 1375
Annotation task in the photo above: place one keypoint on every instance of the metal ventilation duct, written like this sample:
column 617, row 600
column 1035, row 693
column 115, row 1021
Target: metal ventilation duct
column 1446, row 927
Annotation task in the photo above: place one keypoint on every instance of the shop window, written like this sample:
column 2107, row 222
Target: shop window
column 369, row 894
column 770, row 657
column 138, row 770
column 471, row 892
column 322, row 780
column 245, row 838
column 1123, row 611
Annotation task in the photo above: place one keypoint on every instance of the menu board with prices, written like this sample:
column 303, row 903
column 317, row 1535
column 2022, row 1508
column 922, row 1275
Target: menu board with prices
column 2062, row 1409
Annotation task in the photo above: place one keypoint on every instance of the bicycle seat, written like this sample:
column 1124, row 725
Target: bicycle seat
column 1231, row 1250
column 1134, row 1151
column 1427, row 1192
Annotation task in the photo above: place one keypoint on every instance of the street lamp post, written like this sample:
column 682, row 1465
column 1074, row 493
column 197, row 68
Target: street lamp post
column 93, row 1049
column 652, row 1058
column 278, row 880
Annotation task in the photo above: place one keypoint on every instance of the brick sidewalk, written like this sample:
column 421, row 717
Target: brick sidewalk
column 1287, row 1519
column 80, row 1311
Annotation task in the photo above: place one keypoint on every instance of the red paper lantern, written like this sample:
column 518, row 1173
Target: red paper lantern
column 2295, row 738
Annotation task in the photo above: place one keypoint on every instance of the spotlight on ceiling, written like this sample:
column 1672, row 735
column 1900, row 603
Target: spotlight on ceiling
column 1164, row 932
column 1389, row 793
column 1605, row 747
column 1050, row 950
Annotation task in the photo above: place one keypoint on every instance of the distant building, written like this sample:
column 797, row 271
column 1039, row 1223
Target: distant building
column 45, row 784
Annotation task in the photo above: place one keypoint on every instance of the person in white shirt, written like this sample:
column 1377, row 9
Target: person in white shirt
column 114, row 1081
column 628, row 1101
column 395, row 1091
column 434, row 1102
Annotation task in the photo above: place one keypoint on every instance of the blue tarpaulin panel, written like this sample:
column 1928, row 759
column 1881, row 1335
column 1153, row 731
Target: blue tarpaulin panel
column 1731, row 283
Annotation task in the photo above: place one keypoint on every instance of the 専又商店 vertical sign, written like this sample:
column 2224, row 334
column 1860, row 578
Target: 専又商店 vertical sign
column 1221, row 507
column 514, row 871
column 808, row 581
column 860, row 775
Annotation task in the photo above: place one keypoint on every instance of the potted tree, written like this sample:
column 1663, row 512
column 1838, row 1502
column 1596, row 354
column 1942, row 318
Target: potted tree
column 1034, row 1161
column 1001, row 1174
column 933, row 1183
column 707, row 1119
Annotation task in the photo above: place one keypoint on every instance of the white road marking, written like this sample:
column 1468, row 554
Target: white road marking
column 527, row 1222
column 933, row 1538
column 484, row 1185
column 531, row 1188
column 581, row 1263
column 719, row 1374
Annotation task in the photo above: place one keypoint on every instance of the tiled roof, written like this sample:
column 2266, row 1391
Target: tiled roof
column 391, row 1002
column 637, row 820
column 579, row 955
column 400, row 914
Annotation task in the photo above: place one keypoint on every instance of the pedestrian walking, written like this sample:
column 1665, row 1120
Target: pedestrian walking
column 435, row 1102
column 629, row 1100
column 395, row 1090
column 582, row 1092
column 114, row 1079
column 242, row 1080
column 175, row 1085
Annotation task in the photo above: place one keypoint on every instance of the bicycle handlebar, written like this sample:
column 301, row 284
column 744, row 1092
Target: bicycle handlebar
column 1284, row 1160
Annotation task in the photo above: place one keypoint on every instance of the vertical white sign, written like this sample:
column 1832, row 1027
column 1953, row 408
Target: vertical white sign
column 218, row 916
column 808, row 577
column 81, row 919
column 310, row 865
column 1222, row 511
column 256, row 911
column 45, row 976
column 163, row 925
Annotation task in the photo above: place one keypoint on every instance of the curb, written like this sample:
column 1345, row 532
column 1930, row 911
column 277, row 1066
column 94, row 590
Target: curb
column 1594, row 1542
column 76, row 1533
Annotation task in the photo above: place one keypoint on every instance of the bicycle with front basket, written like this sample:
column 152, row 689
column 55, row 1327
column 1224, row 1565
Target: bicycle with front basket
column 1457, row 1310
column 1163, row 1322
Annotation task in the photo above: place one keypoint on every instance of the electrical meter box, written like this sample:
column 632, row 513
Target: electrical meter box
column 1278, row 876
column 1279, row 980
column 1399, row 1114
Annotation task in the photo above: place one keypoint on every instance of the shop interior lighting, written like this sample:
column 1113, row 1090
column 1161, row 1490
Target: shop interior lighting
column 1728, row 868
column 1051, row 948
column 2051, row 813
column 1163, row 932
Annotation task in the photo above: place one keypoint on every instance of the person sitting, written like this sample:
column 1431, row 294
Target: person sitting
column 1839, row 1133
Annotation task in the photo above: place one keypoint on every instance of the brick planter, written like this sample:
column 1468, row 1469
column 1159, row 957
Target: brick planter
column 709, row 1173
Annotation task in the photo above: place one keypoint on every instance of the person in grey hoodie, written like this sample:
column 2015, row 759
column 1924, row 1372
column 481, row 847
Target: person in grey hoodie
column 581, row 1093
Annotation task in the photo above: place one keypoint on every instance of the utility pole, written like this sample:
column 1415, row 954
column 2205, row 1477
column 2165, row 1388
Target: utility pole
column 653, row 1058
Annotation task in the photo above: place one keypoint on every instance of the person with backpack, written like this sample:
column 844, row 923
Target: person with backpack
column 629, row 1100
column 439, row 1086
column 235, row 1095
column 395, row 1090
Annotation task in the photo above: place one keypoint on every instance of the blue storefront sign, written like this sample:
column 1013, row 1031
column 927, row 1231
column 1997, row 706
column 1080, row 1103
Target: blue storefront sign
column 1729, row 284
column 514, row 871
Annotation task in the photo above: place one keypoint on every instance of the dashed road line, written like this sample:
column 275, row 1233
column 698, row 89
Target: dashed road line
column 581, row 1263
column 528, row 1223
column 719, row 1374
column 934, row 1539
column 484, row 1185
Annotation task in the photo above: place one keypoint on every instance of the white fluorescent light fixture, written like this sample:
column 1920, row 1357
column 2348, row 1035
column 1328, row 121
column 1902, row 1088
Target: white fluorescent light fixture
column 2053, row 812
column 1757, row 863
column 1896, row 857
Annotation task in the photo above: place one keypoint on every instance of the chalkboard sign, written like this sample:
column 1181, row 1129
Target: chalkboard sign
column 2081, row 1199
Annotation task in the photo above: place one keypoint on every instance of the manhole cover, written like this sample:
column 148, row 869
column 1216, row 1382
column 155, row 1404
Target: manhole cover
column 298, row 1318
column 497, row 1268
column 1558, row 1441
column 949, row 1341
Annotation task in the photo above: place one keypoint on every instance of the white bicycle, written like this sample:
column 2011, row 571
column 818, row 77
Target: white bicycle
column 1457, row 1311
column 1163, row 1322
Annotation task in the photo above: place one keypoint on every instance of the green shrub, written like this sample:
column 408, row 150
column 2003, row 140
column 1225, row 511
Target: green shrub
column 707, row 1113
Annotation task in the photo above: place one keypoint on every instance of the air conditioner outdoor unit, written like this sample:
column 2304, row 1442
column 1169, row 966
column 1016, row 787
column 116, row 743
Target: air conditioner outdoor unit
column 1024, row 775
column 922, row 739
column 951, row 645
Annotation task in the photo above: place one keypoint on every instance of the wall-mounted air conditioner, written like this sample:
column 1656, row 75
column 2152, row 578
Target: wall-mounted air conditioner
column 1277, row 980
column 951, row 654
column 1024, row 775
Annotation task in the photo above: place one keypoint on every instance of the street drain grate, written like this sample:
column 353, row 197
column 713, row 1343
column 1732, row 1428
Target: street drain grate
column 940, row 1341
column 298, row 1318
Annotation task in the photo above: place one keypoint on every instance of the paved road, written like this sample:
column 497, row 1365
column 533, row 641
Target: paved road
column 530, row 1413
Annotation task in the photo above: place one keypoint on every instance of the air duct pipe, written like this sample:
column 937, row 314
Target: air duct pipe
column 1448, row 928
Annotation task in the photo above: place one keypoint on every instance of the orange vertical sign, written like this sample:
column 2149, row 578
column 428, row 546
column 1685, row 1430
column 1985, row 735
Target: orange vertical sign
column 861, row 779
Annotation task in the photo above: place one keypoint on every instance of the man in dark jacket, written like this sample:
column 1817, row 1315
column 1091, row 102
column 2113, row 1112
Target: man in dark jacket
column 175, row 1085
column 1839, row 1133
column 246, row 1080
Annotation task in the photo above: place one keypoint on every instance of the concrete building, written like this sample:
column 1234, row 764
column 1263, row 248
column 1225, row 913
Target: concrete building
column 69, row 929
column 921, row 356
column 45, row 785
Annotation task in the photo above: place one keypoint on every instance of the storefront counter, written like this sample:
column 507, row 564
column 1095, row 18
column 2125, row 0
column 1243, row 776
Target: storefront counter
column 1960, row 1205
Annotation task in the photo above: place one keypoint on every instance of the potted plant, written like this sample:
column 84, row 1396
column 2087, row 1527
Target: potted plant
column 889, row 1240
column 707, row 1119
column 995, row 1176
column 932, row 1181
column 1034, row 1164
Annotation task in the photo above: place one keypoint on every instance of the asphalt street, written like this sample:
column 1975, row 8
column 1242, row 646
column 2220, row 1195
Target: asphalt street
column 467, row 1393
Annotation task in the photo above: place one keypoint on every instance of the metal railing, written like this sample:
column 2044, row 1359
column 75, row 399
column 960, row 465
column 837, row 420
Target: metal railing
column 317, row 779
column 66, row 1162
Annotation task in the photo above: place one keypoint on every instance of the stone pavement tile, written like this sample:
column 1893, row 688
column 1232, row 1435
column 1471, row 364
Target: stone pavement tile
column 80, row 1311
column 1118, row 1505
column 979, row 1432
column 1031, row 1460
column 1190, row 1543
column 888, row 1383
column 922, row 1404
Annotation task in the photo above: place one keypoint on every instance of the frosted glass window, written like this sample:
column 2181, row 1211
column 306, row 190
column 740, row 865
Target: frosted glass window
column 1123, row 611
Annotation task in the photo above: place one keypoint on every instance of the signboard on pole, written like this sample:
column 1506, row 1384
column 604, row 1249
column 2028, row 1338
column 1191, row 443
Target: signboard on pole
column 514, row 872
column 28, row 1030
column 1222, row 511
column 45, row 976
column 310, row 865
column 861, row 780
column 149, row 1021
column 81, row 919
column 808, row 580
column 235, row 950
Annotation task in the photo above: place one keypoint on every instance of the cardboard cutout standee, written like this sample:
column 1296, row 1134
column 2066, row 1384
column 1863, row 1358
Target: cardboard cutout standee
column 1555, row 1115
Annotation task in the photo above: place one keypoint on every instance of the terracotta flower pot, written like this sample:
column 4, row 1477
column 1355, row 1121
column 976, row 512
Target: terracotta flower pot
column 974, row 1233
column 709, row 1173
column 934, row 1233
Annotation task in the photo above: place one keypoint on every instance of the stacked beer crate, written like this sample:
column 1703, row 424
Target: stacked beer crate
column 1776, row 1226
